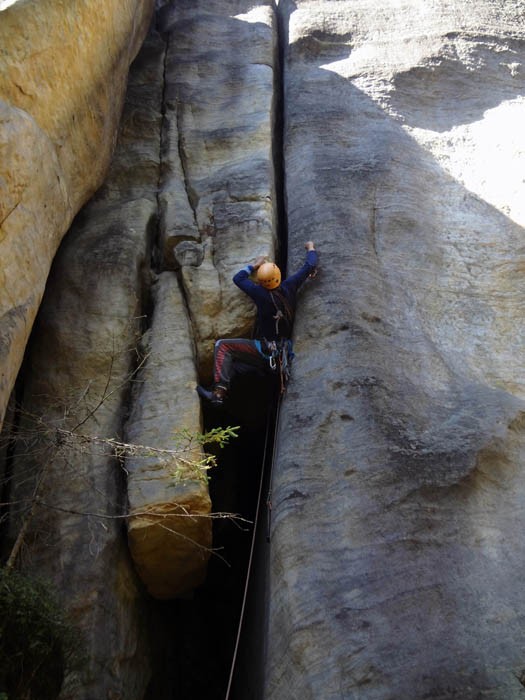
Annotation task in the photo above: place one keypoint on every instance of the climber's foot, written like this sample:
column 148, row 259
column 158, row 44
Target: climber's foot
column 215, row 396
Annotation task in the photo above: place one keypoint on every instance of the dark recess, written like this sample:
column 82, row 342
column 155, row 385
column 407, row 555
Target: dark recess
column 196, row 645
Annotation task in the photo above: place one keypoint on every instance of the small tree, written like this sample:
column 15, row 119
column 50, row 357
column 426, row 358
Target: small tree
column 38, row 644
column 191, row 464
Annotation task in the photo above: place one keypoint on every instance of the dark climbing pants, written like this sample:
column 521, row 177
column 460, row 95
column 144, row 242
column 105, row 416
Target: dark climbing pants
column 227, row 352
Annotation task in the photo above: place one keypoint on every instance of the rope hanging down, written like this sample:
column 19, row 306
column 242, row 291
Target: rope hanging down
column 282, row 358
column 250, row 558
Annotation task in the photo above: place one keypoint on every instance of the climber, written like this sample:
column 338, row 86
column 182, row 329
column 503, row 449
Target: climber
column 275, row 302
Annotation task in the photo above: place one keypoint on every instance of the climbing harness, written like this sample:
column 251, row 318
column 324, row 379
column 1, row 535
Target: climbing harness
column 279, row 354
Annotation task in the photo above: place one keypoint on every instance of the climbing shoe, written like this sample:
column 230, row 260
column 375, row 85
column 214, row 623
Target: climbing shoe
column 214, row 396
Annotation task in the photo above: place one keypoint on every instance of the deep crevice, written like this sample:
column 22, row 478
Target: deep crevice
column 194, row 654
column 194, row 662
column 278, row 141
column 157, row 262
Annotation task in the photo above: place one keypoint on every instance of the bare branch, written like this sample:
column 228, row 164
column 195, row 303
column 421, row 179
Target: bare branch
column 42, row 441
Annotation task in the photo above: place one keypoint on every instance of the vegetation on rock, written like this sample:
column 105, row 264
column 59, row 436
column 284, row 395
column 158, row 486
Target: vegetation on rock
column 38, row 644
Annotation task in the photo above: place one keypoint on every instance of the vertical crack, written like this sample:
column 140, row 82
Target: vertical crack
column 278, row 139
column 157, row 262
column 231, row 485
column 192, row 199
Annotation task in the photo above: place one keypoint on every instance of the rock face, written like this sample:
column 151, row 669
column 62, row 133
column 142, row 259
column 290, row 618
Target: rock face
column 169, row 534
column 114, row 352
column 396, row 558
column 217, row 199
column 63, row 72
column 216, row 209
column 398, row 497
column 76, row 383
column 80, row 365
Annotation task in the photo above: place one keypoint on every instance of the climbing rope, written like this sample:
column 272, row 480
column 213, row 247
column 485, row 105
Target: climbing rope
column 252, row 549
column 283, row 364
column 270, row 476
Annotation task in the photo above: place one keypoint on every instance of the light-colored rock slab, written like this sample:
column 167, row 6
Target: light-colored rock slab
column 218, row 184
column 169, row 531
column 398, row 495
column 78, row 378
column 63, row 71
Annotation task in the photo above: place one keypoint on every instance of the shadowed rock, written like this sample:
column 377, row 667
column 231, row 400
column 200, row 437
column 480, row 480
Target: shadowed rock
column 63, row 72
column 395, row 559
column 169, row 531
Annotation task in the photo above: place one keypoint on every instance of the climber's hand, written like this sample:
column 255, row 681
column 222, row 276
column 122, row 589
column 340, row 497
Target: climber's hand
column 258, row 262
column 309, row 245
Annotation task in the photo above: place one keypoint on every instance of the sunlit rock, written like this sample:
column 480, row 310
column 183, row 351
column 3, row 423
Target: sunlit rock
column 63, row 72
column 76, row 385
column 169, row 530
column 398, row 497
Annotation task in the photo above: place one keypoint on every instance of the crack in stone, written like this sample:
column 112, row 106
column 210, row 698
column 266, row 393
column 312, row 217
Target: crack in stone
column 184, row 161
column 9, row 214
column 155, row 248
column 21, row 89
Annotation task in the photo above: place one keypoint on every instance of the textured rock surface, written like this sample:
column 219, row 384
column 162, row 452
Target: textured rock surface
column 78, row 378
column 398, row 502
column 399, row 499
column 63, row 71
column 217, row 188
column 216, row 211
column 99, row 297
column 170, row 535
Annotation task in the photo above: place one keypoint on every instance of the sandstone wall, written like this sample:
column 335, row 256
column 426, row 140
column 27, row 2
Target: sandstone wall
column 63, row 72
column 77, row 383
column 398, row 502
column 216, row 211
column 119, row 299
column 396, row 555
column 169, row 533
column 217, row 198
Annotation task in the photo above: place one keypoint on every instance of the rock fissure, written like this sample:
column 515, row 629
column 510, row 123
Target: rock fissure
column 9, row 212
column 183, row 160
column 157, row 261
column 401, row 415
column 278, row 138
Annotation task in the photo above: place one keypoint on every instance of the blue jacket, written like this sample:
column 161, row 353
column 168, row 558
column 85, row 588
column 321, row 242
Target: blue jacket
column 270, row 302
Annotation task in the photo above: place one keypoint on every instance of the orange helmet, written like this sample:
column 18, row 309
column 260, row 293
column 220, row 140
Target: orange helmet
column 269, row 275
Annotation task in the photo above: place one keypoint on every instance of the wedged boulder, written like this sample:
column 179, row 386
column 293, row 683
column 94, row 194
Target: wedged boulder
column 218, row 184
column 397, row 558
column 169, row 530
column 63, row 72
